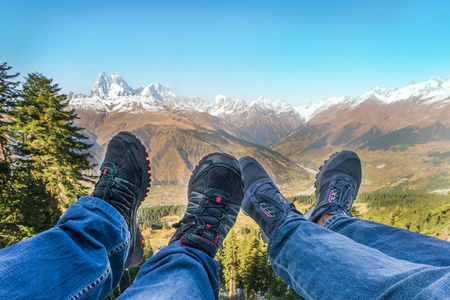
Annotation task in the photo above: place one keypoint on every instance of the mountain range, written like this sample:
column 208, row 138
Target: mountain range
column 402, row 135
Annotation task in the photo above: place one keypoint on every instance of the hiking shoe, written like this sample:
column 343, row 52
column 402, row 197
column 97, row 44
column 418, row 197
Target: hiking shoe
column 215, row 196
column 337, row 185
column 124, row 183
column 263, row 201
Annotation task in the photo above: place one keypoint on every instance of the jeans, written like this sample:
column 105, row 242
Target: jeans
column 357, row 259
column 83, row 257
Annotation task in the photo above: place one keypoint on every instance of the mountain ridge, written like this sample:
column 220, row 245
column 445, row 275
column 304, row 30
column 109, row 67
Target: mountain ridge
column 387, row 127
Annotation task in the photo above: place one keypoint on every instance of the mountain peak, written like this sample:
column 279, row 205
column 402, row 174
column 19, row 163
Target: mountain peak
column 220, row 97
column 261, row 101
column 108, row 87
column 158, row 92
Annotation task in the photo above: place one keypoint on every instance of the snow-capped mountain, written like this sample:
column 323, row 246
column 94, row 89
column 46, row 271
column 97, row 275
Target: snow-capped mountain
column 107, row 87
column 264, row 120
column 435, row 89
column 430, row 91
column 158, row 92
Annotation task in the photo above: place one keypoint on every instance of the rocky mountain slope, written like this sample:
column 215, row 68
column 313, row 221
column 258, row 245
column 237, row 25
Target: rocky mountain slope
column 403, row 134
column 176, row 144
column 262, row 121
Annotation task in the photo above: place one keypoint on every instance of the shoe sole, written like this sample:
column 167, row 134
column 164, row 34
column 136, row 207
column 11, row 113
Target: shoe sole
column 137, row 254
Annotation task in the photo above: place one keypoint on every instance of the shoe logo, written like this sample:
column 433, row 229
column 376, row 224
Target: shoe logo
column 269, row 213
column 282, row 199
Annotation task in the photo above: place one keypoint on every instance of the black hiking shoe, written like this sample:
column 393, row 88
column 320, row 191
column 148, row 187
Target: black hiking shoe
column 215, row 196
column 124, row 183
column 337, row 185
column 263, row 201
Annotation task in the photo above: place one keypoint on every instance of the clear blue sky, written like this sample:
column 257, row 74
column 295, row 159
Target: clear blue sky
column 300, row 51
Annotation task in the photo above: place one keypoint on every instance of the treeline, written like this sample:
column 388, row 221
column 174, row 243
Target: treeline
column 303, row 199
column 151, row 216
column 43, row 156
column 165, row 182
column 427, row 213
column 244, row 268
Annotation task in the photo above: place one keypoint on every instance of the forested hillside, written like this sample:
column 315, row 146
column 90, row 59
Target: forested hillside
column 244, row 267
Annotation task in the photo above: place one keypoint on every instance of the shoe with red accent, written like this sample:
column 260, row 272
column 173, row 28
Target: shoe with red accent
column 337, row 185
column 215, row 194
column 124, row 183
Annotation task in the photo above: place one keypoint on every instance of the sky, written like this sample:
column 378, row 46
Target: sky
column 299, row 51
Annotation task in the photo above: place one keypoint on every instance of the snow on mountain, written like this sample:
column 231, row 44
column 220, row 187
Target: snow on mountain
column 281, row 106
column 190, row 103
column 222, row 105
column 132, row 104
column 158, row 91
column 114, row 94
column 431, row 91
column 114, row 86
column 307, row 112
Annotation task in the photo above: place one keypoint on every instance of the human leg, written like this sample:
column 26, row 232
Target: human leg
column 319, row 263
column 392, row 241
column 85, row 253
column 337, row 185
column 186, row 268
column 176, row 272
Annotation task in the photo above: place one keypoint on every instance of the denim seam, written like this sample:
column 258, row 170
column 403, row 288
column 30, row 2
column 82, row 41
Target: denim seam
column 93, row 284
column 119, row 247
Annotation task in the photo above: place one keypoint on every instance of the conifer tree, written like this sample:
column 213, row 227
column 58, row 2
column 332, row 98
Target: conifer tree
column 53, row 148
column 252, row 266
column 8, row 94
column 9, row 232
column 230, row 263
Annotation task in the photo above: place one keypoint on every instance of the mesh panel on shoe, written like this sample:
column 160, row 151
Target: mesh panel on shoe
column 221, row 178
column 117, row 154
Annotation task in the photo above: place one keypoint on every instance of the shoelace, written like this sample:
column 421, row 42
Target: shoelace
column 339, row 197
column 123, row 205
column 201, row 224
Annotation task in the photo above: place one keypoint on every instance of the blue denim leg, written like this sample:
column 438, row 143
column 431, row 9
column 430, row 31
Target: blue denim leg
column 176, row 272
column 392, row 241
column 321, row 264
column 82, row 256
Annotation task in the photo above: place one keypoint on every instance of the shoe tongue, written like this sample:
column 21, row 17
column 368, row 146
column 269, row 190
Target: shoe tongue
column 271, row 191
column 213, row 211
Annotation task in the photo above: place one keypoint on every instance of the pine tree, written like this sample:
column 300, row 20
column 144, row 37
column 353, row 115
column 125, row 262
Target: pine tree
column 52, row 147
column 9, row 232
column 8, row 94
column 230, row 262
column 252, row 266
